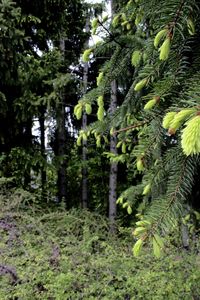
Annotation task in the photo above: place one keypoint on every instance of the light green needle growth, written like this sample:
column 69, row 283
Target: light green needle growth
column 99, row 78
column 86, row 55
column 140, row 166
column 136, row 58
column 100, row 101
column 100, row 113
column 94, row 23
column 150, row 104
column 179, row 119
column 147, row 189
column 190, row 140
column 115, row 21
column 140, row 85
column 159, row 36
column 168, row 118
column 88, row 108
column 137, row 248
column 165, row 49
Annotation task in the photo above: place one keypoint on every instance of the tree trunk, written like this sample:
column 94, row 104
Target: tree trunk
column 84, row 125
column 27, row 140
column 113, row 149
column 42, row 147
column 113, row 166
column 61, row 143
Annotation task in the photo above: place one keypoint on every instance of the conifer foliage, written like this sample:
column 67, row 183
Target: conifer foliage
column 151, row 49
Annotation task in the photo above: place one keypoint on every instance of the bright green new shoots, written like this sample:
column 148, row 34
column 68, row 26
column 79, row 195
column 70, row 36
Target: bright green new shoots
column 98, row 141
column 150, row 104
column 79, row 112
column 99, row 78
column 100, row 113
column 168, row 118
column 139, row 231
column 140, row 166
column 119, row 144
column 128, row 26
column 164, row 49
column 100, row 101
column 79, row 140
column 84, row 136
column 159, row 36
column 123, row 148
column 137, row 247
column 94, row 23
column 88, row 108
column 138, row 19
column 129, row 4
column 129, row 210
column 147, row 189
column 190, row 140
column 86, row 55
column 179, row 118
column 136, row 58
column 140, row 84
column 115, row 21
column 120, row 200
column 105, row 18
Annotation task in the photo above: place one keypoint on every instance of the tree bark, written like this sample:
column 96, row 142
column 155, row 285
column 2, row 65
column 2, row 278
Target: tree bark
column 27, row 140
column 61, row 143
column 113, row 149
column 43, row 149
column 113, row 166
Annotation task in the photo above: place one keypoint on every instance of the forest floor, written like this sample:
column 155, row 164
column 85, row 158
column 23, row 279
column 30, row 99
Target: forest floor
column 71, row 255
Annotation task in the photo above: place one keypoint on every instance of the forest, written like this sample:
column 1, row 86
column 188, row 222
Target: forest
column 100, row 150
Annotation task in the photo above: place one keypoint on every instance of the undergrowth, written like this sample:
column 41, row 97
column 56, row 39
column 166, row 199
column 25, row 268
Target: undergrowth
column 59, row 255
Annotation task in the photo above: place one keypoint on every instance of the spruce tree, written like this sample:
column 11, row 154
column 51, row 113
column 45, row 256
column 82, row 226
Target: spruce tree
column 153, row 53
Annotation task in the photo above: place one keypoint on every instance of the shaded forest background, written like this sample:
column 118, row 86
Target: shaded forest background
column 99, row 149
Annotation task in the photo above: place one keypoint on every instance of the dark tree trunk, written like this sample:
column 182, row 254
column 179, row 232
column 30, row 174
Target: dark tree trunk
column 43, row 151
column 61, row 143
column 27, row 141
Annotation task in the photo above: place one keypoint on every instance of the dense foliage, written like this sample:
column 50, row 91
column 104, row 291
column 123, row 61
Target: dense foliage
column 153, row 56
column 111, row 126
column 59, row 255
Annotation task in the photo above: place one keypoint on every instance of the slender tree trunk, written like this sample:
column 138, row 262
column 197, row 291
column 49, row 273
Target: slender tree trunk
column 84, row 125
column 28, row 142
column 113, row 149
column 61, row 143
column 113, row 166
column 43, row 149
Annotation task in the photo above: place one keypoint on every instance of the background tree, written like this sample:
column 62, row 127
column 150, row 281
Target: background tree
column 32, row 80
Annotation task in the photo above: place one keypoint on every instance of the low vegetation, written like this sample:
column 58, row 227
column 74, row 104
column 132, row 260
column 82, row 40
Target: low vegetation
column 71, row 255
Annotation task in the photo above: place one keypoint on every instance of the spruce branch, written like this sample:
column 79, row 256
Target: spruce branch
column 131, row 127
